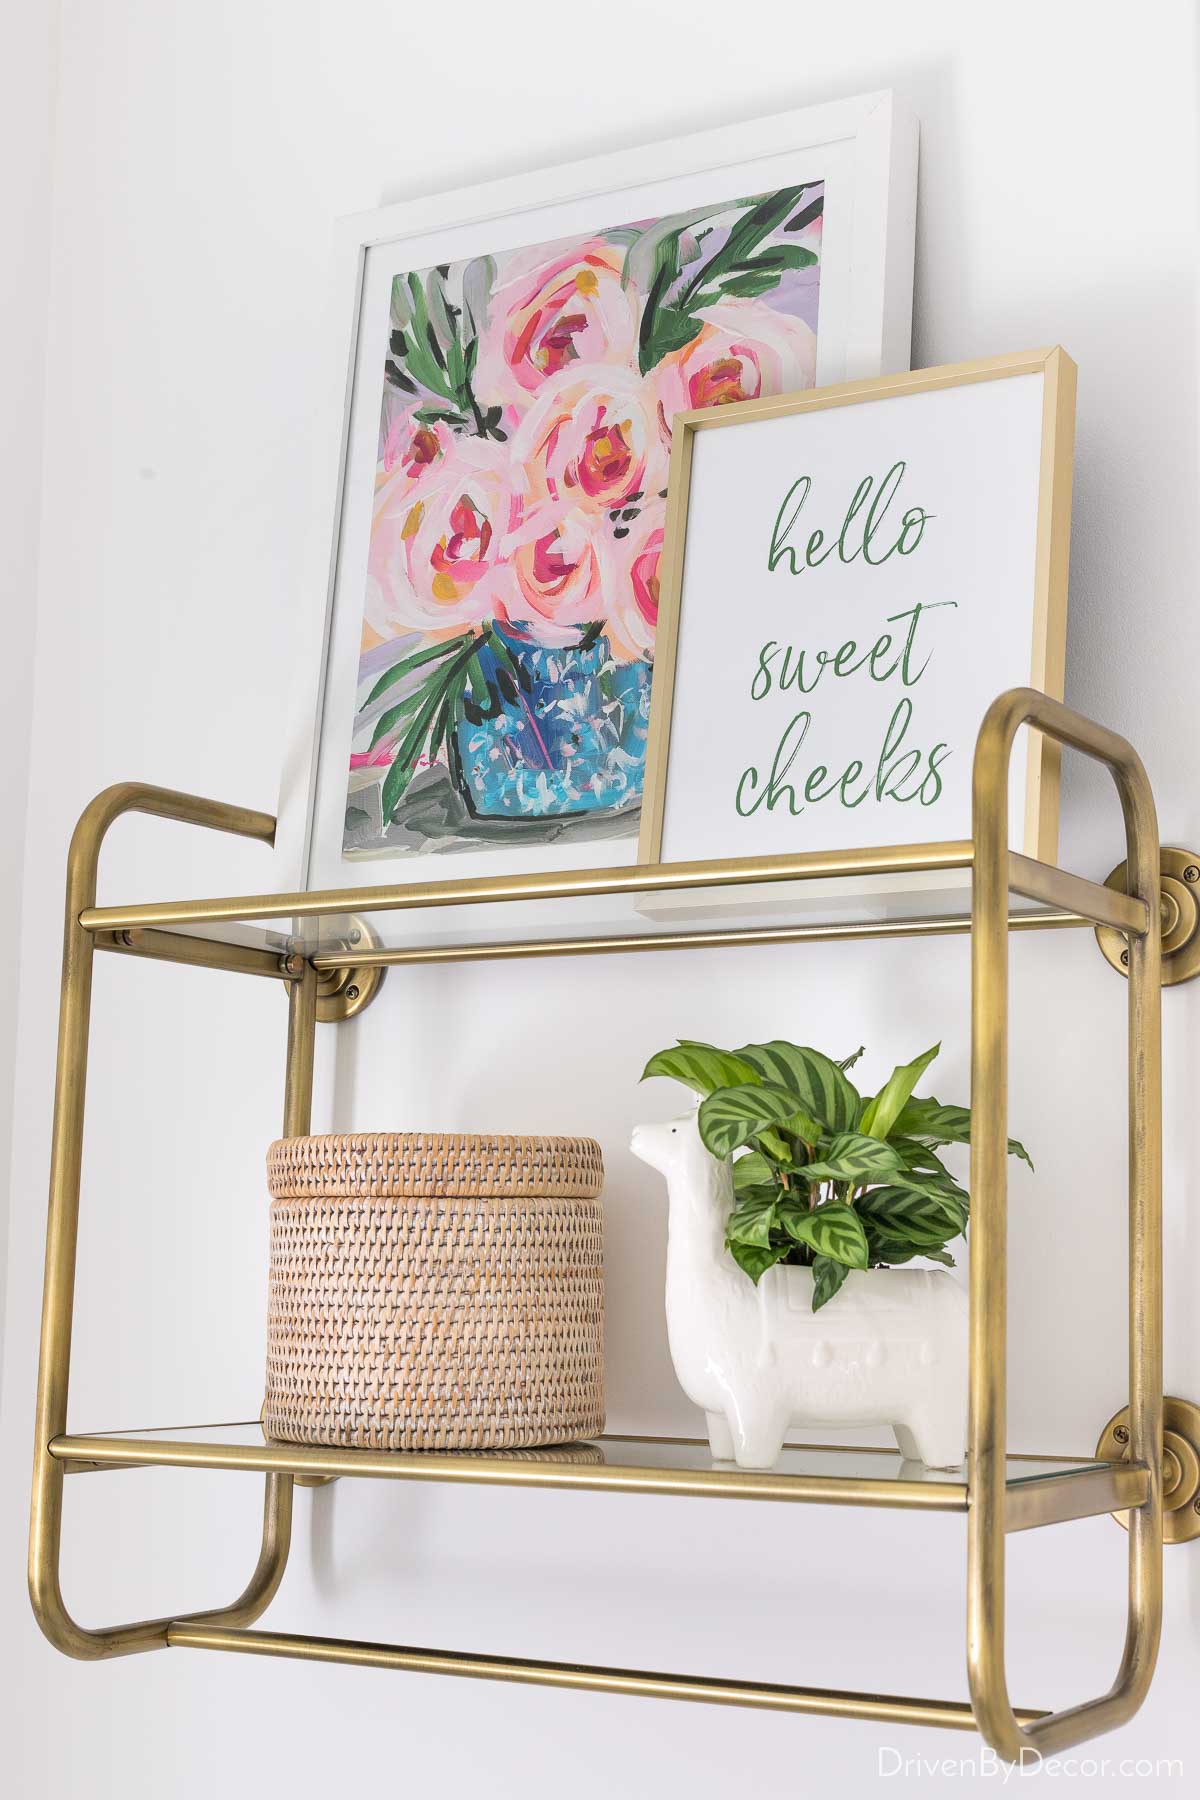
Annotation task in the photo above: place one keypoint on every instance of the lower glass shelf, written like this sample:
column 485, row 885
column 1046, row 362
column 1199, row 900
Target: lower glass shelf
column 1041, row 1490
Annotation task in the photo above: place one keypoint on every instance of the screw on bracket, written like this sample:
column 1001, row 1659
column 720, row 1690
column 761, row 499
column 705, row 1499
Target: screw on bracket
column 1124, row 959
column 1192, row 872
column 352, row 992
column 1121, row 1433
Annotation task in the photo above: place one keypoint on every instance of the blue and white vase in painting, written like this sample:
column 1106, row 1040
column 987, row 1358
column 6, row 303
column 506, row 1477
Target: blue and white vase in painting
column 561, row 733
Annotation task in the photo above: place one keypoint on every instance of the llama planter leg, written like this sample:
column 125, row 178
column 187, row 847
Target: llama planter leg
column 890, row 1348
column 720, row 1438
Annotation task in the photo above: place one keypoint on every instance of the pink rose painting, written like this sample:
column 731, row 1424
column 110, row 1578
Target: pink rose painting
column 520, row 497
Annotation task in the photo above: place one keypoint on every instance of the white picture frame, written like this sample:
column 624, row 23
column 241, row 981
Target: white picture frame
column 864, row 149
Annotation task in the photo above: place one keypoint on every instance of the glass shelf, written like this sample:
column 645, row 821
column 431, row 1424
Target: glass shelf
column 1042, row 1490
column 913, row 889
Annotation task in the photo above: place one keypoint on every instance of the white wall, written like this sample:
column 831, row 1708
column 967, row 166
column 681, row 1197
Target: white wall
column 201, row 152
column 26, row 109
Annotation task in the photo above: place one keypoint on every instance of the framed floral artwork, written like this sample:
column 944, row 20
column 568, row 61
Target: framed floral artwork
column 486, row 654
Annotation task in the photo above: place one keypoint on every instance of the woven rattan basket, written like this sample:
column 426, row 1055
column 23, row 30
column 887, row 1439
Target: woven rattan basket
column 435, row 1293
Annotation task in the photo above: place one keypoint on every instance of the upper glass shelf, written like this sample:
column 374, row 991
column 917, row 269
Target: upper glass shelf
column 832, row 1474
column 918, row 889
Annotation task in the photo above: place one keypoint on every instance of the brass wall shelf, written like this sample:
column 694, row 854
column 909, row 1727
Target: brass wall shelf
column 1040, row 1490
column 306, row 940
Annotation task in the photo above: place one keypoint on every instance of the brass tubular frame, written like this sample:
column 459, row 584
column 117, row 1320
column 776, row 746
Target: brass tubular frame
column 830, row 1703
column 635, row 878
column 205, row 953
column 991, row 1510
column 937, row 925
column 62, row 1230
column 988, row 1249
column 1069, row 894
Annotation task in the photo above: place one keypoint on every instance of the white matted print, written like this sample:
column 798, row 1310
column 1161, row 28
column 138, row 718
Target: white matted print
column 853, row 576
column 519, row 353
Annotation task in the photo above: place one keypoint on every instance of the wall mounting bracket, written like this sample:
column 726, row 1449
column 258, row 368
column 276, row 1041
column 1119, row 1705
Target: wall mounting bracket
column 1181, row 1466
column 1180, row 909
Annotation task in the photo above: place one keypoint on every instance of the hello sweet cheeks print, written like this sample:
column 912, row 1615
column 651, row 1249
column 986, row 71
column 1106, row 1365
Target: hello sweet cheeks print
column 791, row 681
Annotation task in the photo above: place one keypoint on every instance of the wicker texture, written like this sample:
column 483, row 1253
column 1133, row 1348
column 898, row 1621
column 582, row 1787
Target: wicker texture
column 435, row 1292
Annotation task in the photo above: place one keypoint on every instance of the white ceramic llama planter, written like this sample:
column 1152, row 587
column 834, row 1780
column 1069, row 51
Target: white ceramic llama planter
column 890, row 1348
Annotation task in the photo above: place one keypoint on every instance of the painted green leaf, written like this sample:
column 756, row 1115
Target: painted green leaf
column 807, row 214
column 388, row 721
column 749, row 287
column 407, row 664
column 672, row 329
column 852, row 1156
column 820, row 1088
column 779, row 257
column 404, row 761
column 928, row 1118
column 701, row 1067
column 848, row 1062
column 642, row 257
column 745, row 237
column 828, row 1277
column 883, row 1111
column 731, row 1115
column 833, row 1230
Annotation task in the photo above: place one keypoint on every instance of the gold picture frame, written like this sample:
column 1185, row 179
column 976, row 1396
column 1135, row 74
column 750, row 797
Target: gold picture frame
column 1053, row 535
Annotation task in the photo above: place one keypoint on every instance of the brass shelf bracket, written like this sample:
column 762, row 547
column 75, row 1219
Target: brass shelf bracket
column 344, row 989
column 1179, row 909
column 1181, row 1466
column 344, row 993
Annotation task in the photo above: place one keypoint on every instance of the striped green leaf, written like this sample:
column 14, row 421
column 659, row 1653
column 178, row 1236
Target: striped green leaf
column 882, row 1112
column 916, row 1155
column 755, row 1259
column 906, row 1216
column 852, row 1156
column 732, row 1115
column 752, row 1170
column 701, row 1067
column 937, row 1182
column 833, row 1230
column 890, row 1252
column 894, row 1254
column 938, row 1124
column 752, row 1221
column 828, row 1277
column 819, row 1087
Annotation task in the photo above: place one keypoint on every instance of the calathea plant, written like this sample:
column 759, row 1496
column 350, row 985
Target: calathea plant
column 824, row 1176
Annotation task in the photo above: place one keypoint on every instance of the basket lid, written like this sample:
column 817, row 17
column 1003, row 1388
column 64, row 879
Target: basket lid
column 386, row 1164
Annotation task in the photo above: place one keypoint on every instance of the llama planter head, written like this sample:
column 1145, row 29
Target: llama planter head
column 890, row 1348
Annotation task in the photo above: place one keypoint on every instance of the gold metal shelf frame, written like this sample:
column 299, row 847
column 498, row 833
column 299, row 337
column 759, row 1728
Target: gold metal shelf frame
column 997, row 1493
